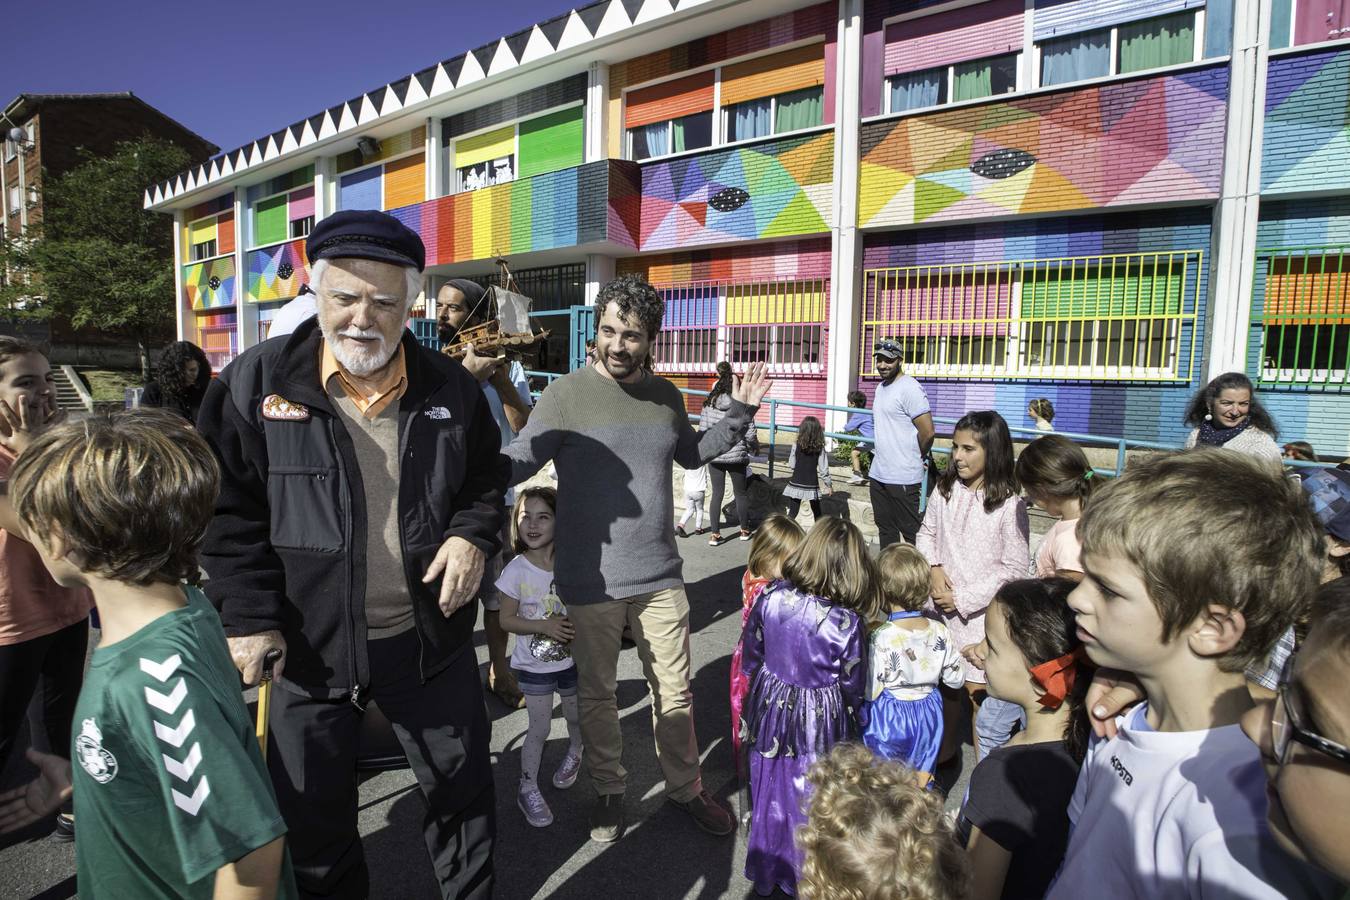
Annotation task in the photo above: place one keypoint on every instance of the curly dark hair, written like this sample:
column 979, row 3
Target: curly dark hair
column 811, row 435
column 178, row 393
column 1200, row 403
column 634, row 299
column 721, row 386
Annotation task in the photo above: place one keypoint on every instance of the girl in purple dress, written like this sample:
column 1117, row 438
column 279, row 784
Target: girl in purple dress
column 803, row 652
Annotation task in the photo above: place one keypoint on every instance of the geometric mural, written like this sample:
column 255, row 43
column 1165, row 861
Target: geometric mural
column 1139, row 141
column 276, row 273
column 208, row 285
column 774, row 189
column 1307, row 130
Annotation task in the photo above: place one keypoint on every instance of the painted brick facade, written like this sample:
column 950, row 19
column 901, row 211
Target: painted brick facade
column 518, row 106
column 1307, row 128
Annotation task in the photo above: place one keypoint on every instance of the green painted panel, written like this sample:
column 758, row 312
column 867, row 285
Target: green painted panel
column 551, row 142
column 1068, row 291
column 269, row 223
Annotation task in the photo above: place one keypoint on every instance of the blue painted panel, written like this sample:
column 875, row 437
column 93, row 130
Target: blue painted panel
column 1054, row 18
column 361, row 190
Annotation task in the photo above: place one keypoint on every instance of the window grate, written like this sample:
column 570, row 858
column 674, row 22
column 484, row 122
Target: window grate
column 1303, row 298
column 1120, row 317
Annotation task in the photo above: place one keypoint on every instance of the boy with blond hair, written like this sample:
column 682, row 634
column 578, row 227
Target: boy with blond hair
column 1194, row 564
column 171, row 792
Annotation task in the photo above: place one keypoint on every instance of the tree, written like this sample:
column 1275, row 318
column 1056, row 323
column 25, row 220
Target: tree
column 103, row 260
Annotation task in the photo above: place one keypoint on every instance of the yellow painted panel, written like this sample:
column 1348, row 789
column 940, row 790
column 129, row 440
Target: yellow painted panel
column 200, row 231
column 486, row 146
column 482, row 223
column 773, row 302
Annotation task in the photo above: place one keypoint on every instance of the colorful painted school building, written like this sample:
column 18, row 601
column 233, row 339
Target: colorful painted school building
column 1101, row 202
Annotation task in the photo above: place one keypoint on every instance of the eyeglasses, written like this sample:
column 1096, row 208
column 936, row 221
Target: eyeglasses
column 1286, row 729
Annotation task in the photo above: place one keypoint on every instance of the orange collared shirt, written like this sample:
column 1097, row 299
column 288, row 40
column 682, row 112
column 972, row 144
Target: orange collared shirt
column 390, row 389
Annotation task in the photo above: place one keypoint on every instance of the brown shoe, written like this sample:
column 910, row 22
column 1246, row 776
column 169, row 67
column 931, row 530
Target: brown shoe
column 607, row 818
column 707, row 813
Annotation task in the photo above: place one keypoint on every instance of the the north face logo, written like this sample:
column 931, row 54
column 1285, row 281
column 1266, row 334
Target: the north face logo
column 440, row 413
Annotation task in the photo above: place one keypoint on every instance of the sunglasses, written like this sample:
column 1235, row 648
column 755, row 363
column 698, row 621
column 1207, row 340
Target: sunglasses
column 1286, row 729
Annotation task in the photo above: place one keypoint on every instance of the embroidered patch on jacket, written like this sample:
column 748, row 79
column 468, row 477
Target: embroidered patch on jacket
column 439, row 413
column 279, row 409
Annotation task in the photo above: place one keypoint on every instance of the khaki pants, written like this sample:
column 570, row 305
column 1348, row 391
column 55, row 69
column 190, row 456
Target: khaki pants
column 660, row 626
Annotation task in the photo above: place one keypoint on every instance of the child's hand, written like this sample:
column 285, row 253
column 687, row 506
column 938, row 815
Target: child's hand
column 1108, row 696
column 39, row 798
column 975, row 654
column 19, row 428
column 558, row 629
column 940, row 583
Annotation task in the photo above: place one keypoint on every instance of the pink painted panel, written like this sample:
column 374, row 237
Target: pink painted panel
column 301, row 203
column 971, row 32
column 1320, row 20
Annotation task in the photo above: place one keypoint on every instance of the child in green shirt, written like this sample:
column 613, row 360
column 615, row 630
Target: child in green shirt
column 172, row 797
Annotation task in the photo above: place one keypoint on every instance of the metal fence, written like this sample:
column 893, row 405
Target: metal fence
column 1304, row 320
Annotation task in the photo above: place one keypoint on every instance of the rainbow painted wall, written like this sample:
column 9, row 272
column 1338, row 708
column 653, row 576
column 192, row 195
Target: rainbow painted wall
column 210, row 284
column 1144, row 411
column 571, row 207
column 767, row 190
column 1146, row 140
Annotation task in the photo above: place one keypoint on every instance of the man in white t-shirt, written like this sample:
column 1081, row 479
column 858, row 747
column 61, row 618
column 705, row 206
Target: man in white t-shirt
column 904, row 435
column 460, row 303
column 292, row 314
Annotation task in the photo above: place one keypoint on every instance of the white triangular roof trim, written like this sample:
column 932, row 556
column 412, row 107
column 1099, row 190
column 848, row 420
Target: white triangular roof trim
column 653, row 9
column 575, row 33
column 415, row 92
column 471, row 72
column 502, row 59
column 615, row 20
column 537, row 47
column 441, row 83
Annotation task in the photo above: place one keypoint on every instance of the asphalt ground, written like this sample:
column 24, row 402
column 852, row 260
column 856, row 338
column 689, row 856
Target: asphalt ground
column 661, row 855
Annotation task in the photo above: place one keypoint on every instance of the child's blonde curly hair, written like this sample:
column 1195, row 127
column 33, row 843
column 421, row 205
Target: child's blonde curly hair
column 873, row 834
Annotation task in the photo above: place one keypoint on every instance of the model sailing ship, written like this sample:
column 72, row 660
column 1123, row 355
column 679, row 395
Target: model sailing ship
column 504, row 314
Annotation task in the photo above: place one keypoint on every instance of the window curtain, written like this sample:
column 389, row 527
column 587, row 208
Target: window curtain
column 750, row 120
column 800, row 109
column 1076, row 57
column 651, row 140
column 692, row 132
column 918, row 89
column 1155, row 43
column 973, row 80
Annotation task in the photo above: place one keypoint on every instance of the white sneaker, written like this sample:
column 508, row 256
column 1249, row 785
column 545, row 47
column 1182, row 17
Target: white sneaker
column 855, row 478
column 532, row 804
column 566, row 776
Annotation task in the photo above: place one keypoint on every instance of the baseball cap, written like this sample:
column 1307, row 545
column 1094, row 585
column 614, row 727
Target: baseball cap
column 1329, row 492
column 366, row 234
column 887, row 349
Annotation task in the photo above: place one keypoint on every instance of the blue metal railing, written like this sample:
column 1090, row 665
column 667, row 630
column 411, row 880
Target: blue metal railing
column 944, row 428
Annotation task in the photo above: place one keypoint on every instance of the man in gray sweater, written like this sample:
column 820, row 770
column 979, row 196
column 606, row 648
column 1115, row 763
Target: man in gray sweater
column 612, row 430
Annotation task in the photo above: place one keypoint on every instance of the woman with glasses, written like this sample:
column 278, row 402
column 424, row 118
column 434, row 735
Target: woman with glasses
column 1304, row 736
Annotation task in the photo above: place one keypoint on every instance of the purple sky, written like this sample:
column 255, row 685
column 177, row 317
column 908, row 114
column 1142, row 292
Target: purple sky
column 235, row 70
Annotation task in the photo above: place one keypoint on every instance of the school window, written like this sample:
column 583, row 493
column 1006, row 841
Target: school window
column 486, row 173
column 204, row 250
column 302, row 227
column 14, row 198
column 972, row 80
column 672, row 136
column 1132, row 47
column 685, row 349
column 779, row 114
column 1119, row 317
column 1304, row 319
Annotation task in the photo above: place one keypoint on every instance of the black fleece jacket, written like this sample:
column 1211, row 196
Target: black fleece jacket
column 286, row 549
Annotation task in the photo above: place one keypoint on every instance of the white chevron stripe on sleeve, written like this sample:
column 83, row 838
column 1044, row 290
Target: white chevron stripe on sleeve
column 167, row 702
column 176, row 736
column 161, row 671
column 183, row 770
column 190, row 805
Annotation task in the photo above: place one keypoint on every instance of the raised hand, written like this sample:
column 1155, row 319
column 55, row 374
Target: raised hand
column 19, row 428
column 753, row 385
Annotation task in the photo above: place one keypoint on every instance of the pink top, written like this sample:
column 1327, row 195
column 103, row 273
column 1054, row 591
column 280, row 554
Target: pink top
column 31, row 603
column 979, row 551
column 1059, row 550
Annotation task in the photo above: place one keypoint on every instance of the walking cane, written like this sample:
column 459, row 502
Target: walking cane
column 265, row 699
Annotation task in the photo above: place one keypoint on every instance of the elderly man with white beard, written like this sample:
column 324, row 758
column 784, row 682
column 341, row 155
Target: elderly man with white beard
column 361, row 492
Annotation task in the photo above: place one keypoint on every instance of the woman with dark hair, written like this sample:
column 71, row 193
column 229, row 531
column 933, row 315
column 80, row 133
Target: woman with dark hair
column 180, row 381
column 734, row 463
column 1225, row 413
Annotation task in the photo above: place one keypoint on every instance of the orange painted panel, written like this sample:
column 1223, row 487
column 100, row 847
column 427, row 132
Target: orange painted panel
column 776, row 73
column 405, row 181
column 669, row 100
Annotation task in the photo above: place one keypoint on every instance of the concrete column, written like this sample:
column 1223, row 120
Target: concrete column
column 845, row 240
column 597, row 110
column 246, row 314
column 600, row 271
column 1233, row 255
column 178, row 276
column 325, row 187
column 433, row 167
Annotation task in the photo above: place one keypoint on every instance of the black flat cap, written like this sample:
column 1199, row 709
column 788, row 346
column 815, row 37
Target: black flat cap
column 366, row 234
